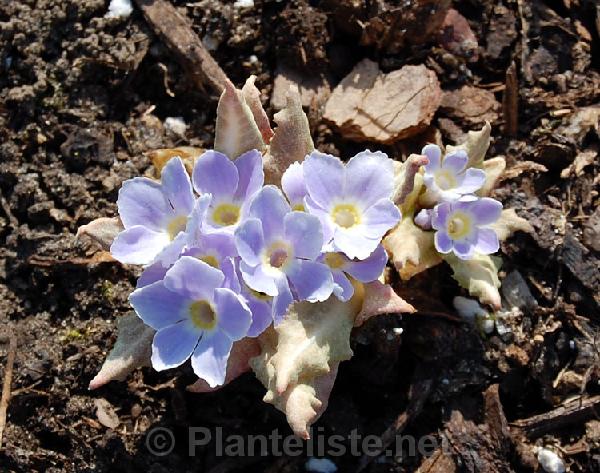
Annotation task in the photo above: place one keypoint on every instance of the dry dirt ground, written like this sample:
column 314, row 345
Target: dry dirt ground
column 83, row 97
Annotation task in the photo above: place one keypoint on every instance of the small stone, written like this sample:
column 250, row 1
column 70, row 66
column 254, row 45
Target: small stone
column 105, row 413
column 371, row 106
column 550, row 461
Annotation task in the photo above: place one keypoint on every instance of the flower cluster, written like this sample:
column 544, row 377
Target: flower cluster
column 461, row 220
column 226, row 255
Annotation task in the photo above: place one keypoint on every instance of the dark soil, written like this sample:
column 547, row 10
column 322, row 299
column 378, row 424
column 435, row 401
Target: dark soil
column 83, row 97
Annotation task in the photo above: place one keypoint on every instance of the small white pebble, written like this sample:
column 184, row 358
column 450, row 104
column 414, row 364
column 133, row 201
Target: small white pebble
column 119, row 9
column 487, row 325
column 243, row 4
column 176, row 125
column 253, row 59
column 468, row 309
column 398, row 330
column 572, row 344
column 550, row 461
column 320, row 465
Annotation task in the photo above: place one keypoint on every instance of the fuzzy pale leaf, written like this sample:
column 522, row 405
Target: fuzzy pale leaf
column 291, row 141
column 479, row 276
column 509, row 223
column 411, row 249
column 493, row 169
column 408, row 182
column 252, row 96
column 132, row 350
column 102, row 230
column 237, row 364
column 380, row 298
column 302, row 402
column 160, row 157
column 236, row 131
column 476, row 145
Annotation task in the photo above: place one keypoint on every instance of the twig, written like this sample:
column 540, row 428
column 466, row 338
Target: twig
column 574, row 412
column 510, row 101
column 176, row 32
column 419, row 393
column 6, row 385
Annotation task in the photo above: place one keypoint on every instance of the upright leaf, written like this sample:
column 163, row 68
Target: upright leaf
column 476, row 145
column 291, row 141
column 236, row 131
column 252, row 96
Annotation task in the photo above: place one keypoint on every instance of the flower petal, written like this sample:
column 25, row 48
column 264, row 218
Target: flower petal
column 324, row 177
column 327, row 225
column 305, row 233
column 269, row 206
column 292, row 183
column 439, row 216
column 232, row 278
column 173, row 345
column 141, row 202
column 214, row 173
column 456, row 161
column 261, row 316
column 197, row 218
column 379, row 218
column 234, row 317
column 193, row 279
column 258, row 279
column 443, row 242
column 369, row 178
column 138, row 245
column 311, row 281
column 354, row 244
column 177, row 186
column 464, row 249
column 473, row 181
column 423, row 219
column 250, row 241
column 209, row 360
column 368, row 269
column 434, row 154
column 342, row 287
column 486, row 210
column 487, row 241
column 157, row 306
column 251, row 175
column 283, row 300
column 153, row 273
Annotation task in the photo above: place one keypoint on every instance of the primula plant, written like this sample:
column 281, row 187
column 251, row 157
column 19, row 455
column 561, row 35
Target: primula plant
column 263, row 254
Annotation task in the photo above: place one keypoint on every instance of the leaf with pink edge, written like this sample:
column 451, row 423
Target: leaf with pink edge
column 252, row 96
column 381, row 299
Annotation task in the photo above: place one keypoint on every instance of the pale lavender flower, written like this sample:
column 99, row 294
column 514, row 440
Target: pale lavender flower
column 449, row 179
column 364, row 271
column 259, row 303
column 278, row 249
column 352, row 201
column 231, row 185
column 153, row 214
column 292, row 183
column 194, row 316
column 423, row 219
column 463, row 227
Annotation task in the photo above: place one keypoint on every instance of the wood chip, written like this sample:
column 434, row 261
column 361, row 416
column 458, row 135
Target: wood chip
column 371, row 106
column 105, row 413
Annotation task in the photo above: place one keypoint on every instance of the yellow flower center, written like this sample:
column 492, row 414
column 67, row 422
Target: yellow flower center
column 175, row 226
column 209, row 260
column 226, row 214
column 459, row 225
column 299, row 208
column 445, row 179
column 345, row 215
column 334, row 260
column 203, row 315
column 277, row 255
